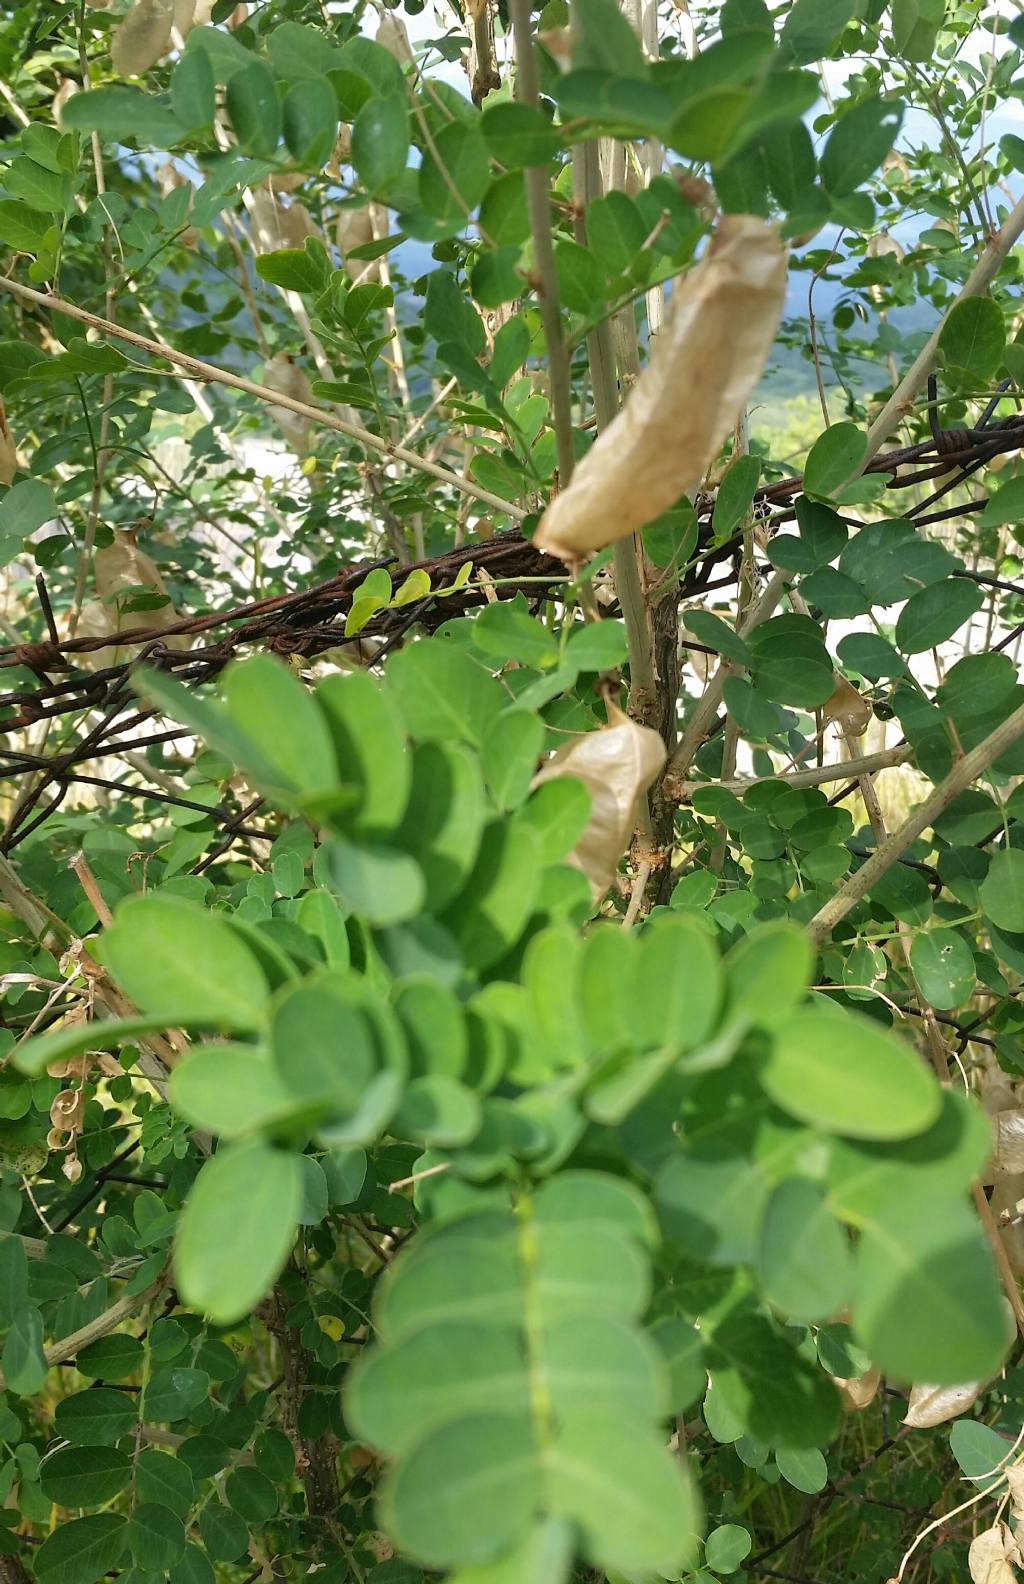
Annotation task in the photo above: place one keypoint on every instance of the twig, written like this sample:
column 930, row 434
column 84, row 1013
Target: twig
column 195, row 368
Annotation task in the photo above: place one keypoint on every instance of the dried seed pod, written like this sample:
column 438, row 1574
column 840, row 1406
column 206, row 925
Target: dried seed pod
column 67, row 90
column 1015, row 1483
column 393, row 36
column 142, row 37
column 845, row 706
column 933, row 1405
column 1007, row 1205
column 342, row 152
column 120, row 571
column 276, row 224
column 706, row 361
column 282, row 374
column 285, row 181
column 859, row 1391
column 8, row 449
column 355, row 228
column 616, row 763
column 884, row 245
column 1008, row 1151
column 991, row 1555
column 184, row 18
column 895, row 165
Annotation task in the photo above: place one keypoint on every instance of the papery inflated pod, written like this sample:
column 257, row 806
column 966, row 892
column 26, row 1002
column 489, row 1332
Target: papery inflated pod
column 1007, row 1206
column 1008, row 1149
column 393, row 36
column 8, row 450
column 708, row 357
column 885, row 245
column 184, row 18
column 285, row 181
column 355, row 228
column 282, row 374
column 558, row 43
column 142, row 37
column 616, row 763
column 850, row 711
column 895, row 165
column 120, row 571
column 276, row 224
column 67, row 90
column 933, row 1405
column 992, row 1555
column 859, row 1391
column 342, row 152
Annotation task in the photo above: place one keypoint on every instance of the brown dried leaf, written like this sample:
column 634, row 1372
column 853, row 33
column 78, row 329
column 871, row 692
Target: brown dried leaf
column 616, row 764
column 142, row 37
column 991, row 1554
column 706, row 361
column 933, row 1405
column 845, row 706
column 859, row 1391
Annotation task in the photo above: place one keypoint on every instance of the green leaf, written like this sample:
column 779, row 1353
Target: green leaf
column 944, row 967
column 384, row 885
column 493, row 907
column 82, row 1551
column 934, row 614
column 22, row 227
column 1001, row 893
column 26, row 507
column 23, row 1361
column 726, row 1547
column 809, row 1073
column 806, row 1470
column 519, row 134
column 97, row 1417
column 179, row 960
column 380, row 142
column 915, row 27
column 833, row 457
column 304, row 269
column 679, row 985
column 323, row 1049
column 442, row 694
column 156, row 1536
column 605, row 39
column 510, row 755
column 37, row 1054
column 927, row 1303
column 773, row 1393
column 506, row 631
column 310, row 120
column 973, row 336
column 85, row 1476
column 803, row 1253
column 488, row 1467
column 237, row 1229
column 230, row 1090
column 580, row 277
column 858, row 143
column 254, row 108
column 597, row 646
column 812, row 27
column 981, row 1452
column 1004, row 505
column 767, row 973
column 370, row 750
column 13, row 1278
column 193, row 90
column 278, row 716
column 121, row 115
column 455, row 175
column 165, row 1479
column 735, row 495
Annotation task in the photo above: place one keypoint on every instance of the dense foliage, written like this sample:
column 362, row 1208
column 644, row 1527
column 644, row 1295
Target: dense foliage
column 512, row 915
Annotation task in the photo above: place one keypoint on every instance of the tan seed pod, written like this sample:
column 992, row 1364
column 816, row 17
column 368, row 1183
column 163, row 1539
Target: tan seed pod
column 184, row 18
column 706, row 361
column 885, row 245
column 1015, row 1484
column 142, row 37
column 894, row 164
column 342, row 152
column 283, row 375
column 1008, row 1152
column 991, row 1556
column 845, row 706
column 8, row 450
column 393, row 36
column 616, row 763
column 355, row 228
column 120, row 571
column 934, row 1405
column 285, row 181
column 1007, row 1205
column 859, row 1391
column 67, row 90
